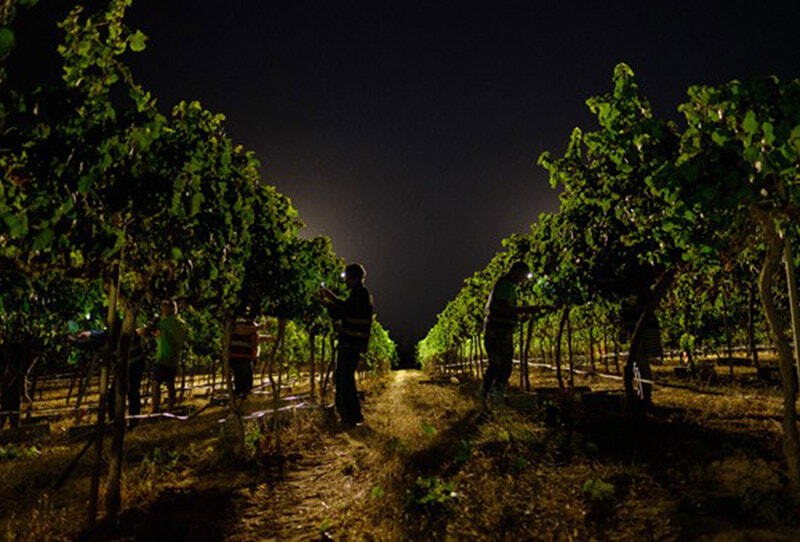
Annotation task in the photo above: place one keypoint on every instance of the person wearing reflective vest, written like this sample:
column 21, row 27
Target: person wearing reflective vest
column 502, row 316
column 355, row 314
column 243, row 354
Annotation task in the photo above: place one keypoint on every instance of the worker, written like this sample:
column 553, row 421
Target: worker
column 243, row 353
column 170, row 336
column 502, row 316
column 355, row 314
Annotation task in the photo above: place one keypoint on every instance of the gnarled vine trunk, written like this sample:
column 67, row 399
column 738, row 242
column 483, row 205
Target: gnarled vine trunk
column 769, row 269
column 637, row 355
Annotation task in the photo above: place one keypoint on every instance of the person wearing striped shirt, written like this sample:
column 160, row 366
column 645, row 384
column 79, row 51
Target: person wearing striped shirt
column 243, row 354
column 502, row 316
column 355, row 314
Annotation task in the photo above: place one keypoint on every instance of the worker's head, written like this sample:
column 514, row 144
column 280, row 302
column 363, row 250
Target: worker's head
column 246, row 314
column 354, row 274
column 520, row 271
column 168, row 308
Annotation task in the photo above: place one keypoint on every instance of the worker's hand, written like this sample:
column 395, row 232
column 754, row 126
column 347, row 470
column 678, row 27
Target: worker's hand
column 80, row 337
column 326, row 294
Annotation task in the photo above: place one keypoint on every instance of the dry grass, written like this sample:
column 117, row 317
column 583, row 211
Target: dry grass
column 160, row 457
column 429, row 465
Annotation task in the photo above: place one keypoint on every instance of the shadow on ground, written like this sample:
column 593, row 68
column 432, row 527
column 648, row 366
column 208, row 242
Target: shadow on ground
column 174, row 516
column 721, row 481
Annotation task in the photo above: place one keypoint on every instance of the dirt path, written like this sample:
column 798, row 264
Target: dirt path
column 429, row 465
column 338, row 485
column 331, row 483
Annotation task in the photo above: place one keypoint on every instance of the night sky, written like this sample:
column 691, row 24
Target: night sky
column 408, row 132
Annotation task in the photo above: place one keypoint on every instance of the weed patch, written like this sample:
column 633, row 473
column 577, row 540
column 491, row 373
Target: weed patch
column 14, row 451
column 430, row 496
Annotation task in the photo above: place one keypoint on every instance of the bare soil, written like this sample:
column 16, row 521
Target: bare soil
column 430, row 464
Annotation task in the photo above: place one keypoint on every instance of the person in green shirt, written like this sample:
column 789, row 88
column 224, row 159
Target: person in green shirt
column 502, row 316
column 170, row 335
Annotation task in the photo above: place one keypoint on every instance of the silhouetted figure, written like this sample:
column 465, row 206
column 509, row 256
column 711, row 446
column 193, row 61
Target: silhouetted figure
column 502, row 316
column 638, row 373
column 135, row 373
column 94, row 340
column 12, row 387
column 355, row 314
column 170, row 336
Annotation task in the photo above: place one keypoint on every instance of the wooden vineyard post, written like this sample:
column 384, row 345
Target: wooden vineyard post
column 113, row 499
column 228, row 323
column 469, row 357
column 726, row 324
column 233, row 430
column 561, row 322
column 111, row 322
column 312, row 341
column 481, row 357
column 213, row 375
column 475, row 354
column 273, row 352
column 521, row 355
column 526, row 357
column 330, row 367
column 322, row 367
column 276, row 396
column 689, row 347
column 569, row 353
column 751, row 332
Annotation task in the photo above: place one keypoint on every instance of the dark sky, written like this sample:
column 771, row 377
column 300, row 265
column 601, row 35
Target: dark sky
column 408, row 132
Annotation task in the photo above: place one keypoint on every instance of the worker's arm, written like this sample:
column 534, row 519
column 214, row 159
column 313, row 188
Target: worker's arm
column 265, row 338
column 93, row 335
column 328, row 297
column 504, row 308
